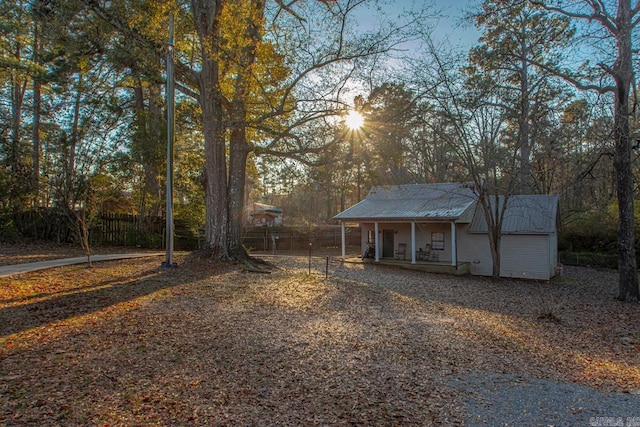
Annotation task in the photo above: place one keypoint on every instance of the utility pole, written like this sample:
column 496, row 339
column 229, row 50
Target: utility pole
column 170, row 140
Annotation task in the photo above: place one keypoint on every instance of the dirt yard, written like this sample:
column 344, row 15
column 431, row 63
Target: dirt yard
column 130, row 343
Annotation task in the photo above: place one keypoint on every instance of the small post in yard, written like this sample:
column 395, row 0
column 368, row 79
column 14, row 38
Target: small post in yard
column 326, row 269
column 309, row 258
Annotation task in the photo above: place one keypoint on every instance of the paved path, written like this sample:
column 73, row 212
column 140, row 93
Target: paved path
column 12, row 270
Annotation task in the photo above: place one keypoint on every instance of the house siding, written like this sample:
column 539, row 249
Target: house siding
column 474, row 249
column 524, row 256
column 553, row 258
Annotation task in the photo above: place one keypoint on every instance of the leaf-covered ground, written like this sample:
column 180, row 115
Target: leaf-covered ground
column 130, row 343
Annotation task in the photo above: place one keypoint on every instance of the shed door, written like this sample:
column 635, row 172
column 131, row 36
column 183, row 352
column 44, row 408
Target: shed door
column 387, row 243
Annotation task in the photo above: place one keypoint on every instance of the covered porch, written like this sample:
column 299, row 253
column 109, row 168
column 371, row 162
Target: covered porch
column 409, row 242
column 413, row 223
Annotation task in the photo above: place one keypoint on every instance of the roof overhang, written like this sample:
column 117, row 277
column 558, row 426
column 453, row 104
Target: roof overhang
column 398, row 220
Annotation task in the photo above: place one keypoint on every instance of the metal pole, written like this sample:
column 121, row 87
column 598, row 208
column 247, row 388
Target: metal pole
column 170, row 140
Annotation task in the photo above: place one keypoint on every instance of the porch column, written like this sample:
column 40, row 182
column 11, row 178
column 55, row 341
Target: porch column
column 454, row 260
column 376, row 242
column 344, row 240
column 413, row 242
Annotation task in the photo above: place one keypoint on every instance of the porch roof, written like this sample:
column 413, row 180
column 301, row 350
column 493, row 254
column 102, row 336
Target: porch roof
column 447, row 201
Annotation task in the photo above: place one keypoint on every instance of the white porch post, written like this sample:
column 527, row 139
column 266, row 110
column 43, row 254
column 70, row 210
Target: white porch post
column 376, row 242
column 343, row 241
column 454, row 260
column 413, row 242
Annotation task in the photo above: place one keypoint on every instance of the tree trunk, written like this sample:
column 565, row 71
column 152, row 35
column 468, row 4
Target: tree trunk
column 16, row 162
column 524, row 133
column 151, row 165
column 216, row 198
column 239, row 148
column 623, row 75
column 494, row 243
column 37, row 92
column 206, row 16
column 37, row 106
column 148, row 138
column 239, row 151
column 75, row 135
column 494, row 215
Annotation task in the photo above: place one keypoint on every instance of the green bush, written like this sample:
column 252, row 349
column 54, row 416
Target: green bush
column 590, row 238
column 9, row 233
column 589, row 259
column 594, row 230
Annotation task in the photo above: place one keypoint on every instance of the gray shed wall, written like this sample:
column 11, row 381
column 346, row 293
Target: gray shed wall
column 525, row 256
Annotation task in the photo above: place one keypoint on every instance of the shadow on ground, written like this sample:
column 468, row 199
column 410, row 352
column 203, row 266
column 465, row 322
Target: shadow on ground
column 51, row 307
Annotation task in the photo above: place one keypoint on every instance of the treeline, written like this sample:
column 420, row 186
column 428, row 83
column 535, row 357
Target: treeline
column 83, row 114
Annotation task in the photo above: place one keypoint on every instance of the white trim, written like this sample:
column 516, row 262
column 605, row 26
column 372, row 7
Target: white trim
column 401, row 221
column 413, row 242
column 343, row 241
column 376, row 242
column 454, row 239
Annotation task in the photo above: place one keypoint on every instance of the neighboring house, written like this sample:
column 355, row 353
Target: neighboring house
column 265, row 215
column 443, row 224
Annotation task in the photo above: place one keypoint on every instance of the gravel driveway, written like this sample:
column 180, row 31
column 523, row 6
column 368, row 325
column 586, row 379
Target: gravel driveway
column 504, row 399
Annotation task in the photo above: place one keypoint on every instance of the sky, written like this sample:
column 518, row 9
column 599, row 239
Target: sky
column 447, row 28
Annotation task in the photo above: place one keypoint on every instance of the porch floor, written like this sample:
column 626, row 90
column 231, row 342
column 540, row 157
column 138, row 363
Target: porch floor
column 427, row 266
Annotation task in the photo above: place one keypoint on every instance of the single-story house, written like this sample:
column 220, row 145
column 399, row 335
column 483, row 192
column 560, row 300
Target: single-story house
column 264, row 215
column 444, row 224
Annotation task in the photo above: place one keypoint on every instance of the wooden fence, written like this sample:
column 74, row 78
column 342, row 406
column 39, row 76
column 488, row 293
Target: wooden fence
column 128, row 230
column 113, row 229
column 291, row 238
column 146, row 232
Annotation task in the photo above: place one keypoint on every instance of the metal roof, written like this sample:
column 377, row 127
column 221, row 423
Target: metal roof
column 525, row 214
column 412, row 201
column 262, row 207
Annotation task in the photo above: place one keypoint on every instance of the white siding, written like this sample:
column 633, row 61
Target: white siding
column 474, row 249
column 423, row 237
column 523, row 255
column 553, row 250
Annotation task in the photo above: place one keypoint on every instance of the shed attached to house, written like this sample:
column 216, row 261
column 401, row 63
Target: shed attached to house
column 444, row 224
column 529, row 241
